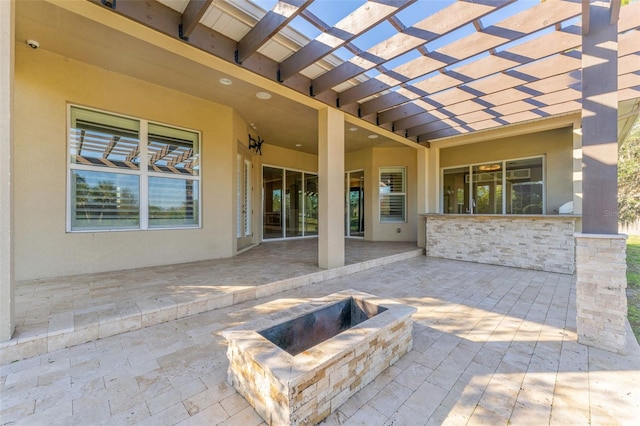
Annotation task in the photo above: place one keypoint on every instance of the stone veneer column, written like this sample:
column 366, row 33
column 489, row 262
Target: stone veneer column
column 7, row 284
column 330, row 188
column 601, row 283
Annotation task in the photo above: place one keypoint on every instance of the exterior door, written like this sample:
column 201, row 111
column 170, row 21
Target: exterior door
column 244, row 188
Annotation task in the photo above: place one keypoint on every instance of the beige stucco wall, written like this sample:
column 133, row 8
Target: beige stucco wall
column 289, row 159
column 556, row 145
column 45, row 83
column 241, row 130
column 383, row 157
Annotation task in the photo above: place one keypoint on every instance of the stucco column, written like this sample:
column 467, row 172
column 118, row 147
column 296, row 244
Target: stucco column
column 577, row 168
column 423, row 193
column 7, row 60
column 330, row 188
column 601, row 281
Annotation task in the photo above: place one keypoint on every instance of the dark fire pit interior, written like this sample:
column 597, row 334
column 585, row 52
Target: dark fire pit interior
column 302, row 333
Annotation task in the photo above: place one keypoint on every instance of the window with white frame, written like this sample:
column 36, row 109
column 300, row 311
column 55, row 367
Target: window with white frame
column 393, row 198
column 126, row 173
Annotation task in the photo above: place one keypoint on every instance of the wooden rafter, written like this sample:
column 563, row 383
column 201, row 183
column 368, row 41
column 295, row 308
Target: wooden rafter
column 159, row 17
column 560, row 102
column 270, row 24
column 191, row 16
column 471, row 85
column 553, row 91
column 528, row 52
column 526, row 92
column 414, row 37
column 539, row 71
column 515, row 27
column 360, row 20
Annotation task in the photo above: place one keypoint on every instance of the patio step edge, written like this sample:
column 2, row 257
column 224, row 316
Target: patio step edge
column 40, row 343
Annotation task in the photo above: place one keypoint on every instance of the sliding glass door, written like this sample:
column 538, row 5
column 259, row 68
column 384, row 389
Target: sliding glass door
column 272, row 184
column 290, row 203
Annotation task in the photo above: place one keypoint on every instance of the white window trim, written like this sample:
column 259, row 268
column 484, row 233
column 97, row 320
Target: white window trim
column 403, row 193
column 143, row 173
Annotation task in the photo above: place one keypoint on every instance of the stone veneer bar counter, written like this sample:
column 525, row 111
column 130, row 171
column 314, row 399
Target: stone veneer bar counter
column 539, row 242
column 303, row 389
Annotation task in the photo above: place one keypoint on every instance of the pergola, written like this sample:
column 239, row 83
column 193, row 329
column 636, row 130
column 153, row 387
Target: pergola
column 460, row 67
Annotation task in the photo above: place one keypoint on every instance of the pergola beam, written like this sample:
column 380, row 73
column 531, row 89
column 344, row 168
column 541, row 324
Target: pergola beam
column 560, row 102
column 542, row 88
column 517, row 26
column 159, row 17
column 542, row 60
column 267, row 27
column 407, row 39
column 461, row 95
column 357, row 22
column 524, row 97
column 545, row 46
column 191, row 16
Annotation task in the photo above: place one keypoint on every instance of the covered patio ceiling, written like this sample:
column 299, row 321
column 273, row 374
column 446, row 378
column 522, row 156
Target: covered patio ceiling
column 413, row 70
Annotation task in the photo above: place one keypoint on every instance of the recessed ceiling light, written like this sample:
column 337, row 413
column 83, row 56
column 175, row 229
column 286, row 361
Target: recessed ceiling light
column 298, row 145
column 225, row 81
column 263, row 95
column 373, row 136
column 353, row 129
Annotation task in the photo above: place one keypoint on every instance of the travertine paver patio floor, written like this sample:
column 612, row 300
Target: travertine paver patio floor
column 55, row 313
column 492, row 345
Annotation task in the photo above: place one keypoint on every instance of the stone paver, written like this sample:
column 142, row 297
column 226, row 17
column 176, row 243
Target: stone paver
column 55, row 313
column 492, row 345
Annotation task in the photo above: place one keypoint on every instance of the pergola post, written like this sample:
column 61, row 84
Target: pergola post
column 330, row 188
column 600, row 252
column 7, row 278
column 423, row 193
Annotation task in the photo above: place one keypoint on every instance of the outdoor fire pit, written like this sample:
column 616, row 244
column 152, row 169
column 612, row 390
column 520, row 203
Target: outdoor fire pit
column 298, row 366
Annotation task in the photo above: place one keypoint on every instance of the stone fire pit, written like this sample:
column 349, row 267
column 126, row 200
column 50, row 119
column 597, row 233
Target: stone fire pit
column 298, row 366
